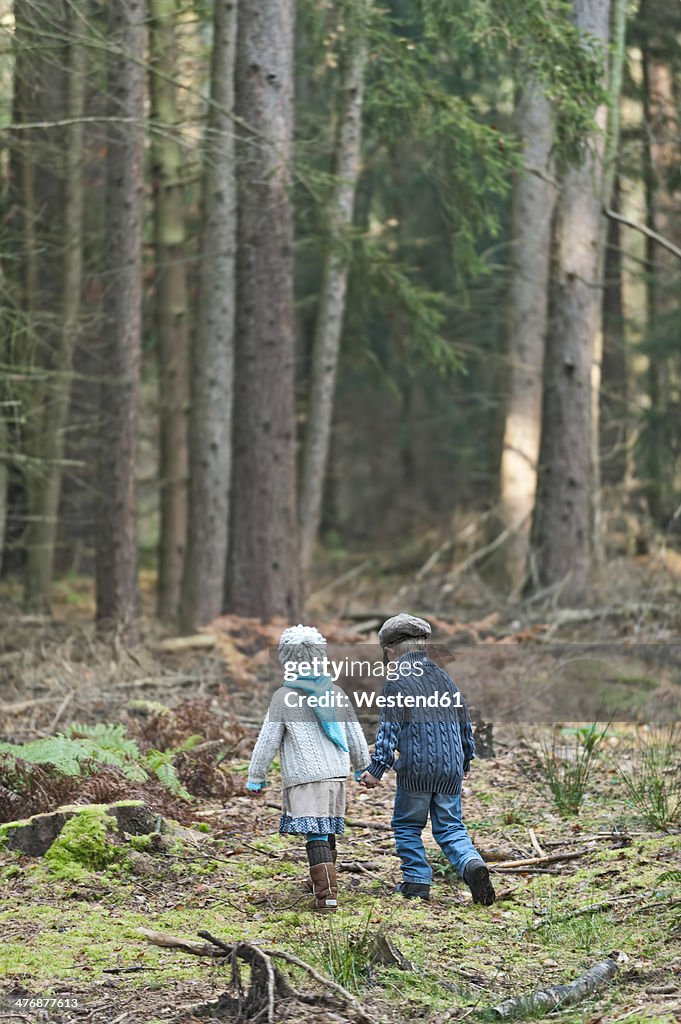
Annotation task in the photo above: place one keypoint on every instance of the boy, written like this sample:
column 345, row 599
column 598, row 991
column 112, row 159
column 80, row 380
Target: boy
column 436, row 748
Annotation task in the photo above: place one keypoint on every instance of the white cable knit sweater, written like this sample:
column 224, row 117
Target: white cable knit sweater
column 306, row 753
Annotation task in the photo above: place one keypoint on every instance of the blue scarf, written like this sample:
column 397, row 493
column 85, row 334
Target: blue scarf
column 319, row 685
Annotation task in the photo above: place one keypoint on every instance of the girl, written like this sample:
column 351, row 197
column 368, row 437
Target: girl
column 316, row 746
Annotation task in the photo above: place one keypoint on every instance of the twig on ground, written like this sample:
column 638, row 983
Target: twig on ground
column 591, row 908
column 60, row 711
column 535, row 843
column 551, row 858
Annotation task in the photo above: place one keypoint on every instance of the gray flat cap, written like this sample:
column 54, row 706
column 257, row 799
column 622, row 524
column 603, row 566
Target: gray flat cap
column 403, row 627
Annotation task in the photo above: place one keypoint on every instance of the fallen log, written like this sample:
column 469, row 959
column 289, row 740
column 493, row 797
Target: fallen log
column 177, row 644
column 558, row 996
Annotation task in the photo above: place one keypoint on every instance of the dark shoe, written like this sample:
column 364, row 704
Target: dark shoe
column 476, row 877
column 413, row 890
column 324, row 887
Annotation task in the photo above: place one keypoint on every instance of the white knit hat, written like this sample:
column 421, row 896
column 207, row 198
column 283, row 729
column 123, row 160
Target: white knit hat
column 294, row 635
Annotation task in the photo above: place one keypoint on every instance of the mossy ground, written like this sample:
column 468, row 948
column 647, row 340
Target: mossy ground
column 65, row 935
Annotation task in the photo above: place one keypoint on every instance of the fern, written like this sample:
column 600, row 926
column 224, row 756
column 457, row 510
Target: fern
column 64, row 755
column 160, row 762
column 107, row 737
column 86, row 748
column 670, row 876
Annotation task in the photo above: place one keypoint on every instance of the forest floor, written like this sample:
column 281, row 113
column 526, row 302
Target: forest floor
column 235, row 876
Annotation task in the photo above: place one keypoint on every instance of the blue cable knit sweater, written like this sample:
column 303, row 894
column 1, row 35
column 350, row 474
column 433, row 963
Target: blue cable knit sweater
column 435, row 745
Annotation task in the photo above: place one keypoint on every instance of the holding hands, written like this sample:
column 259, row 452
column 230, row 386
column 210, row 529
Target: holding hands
column 367, row 780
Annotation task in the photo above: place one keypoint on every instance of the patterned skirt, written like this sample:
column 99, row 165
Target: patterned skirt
column 317, row 807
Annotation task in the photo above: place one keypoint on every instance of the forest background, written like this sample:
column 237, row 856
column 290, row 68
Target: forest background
column 293, row 289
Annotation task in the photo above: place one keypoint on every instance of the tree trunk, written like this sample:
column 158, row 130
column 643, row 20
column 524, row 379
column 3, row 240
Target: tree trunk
column 614, row 397
column 263, row 565
column 46, row 487
column 116, row 539
column 213, row 355
column 611, row 150
column 662, row 132
column 331, row 309
column 534, row 194
column 37, row 187
column 171, row 309
column 563, row 518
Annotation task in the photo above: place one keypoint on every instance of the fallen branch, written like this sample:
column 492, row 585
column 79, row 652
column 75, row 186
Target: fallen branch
column 590, row 908
column 551, row 858
column 645, row 230
column 175, row 644
column 558, row 996
column 25, row 705
column 488, row 549
column 268, row 978
column 168, row 941
column 326, row 982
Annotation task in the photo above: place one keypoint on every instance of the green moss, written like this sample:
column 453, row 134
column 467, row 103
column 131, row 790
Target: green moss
column 82, row 846
column 142, row 843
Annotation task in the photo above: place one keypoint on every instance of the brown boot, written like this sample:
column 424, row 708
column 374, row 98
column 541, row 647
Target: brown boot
column 334, row 856
column 324, row 887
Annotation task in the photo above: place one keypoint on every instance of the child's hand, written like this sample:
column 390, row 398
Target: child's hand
column 368, row 780
column 255, row 788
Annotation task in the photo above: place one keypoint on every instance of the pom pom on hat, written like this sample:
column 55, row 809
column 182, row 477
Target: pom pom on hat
column 301, row 634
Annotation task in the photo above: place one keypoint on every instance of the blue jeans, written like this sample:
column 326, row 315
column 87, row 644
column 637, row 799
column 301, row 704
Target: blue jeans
column 410, row 816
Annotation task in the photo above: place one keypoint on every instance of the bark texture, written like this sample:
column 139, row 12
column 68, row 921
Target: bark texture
column 662, row 132
column 52, row 419
column 329, row 323
column 116, row 533
column 171, row 309
column 213, row 354
column 534, row 194
column 563, row 524
column 263, row 565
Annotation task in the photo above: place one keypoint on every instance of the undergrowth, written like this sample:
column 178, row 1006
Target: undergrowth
column 653, row 783
column 346, row 953
column 84, row 749
column 564, row 768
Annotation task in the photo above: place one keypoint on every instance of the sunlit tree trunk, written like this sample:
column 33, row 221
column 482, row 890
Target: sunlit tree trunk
column 331, row 309
column 171, row 308
column 564, row 510
column 534, row 194
column 116, row 533
column 263, row 564
column 45, row 490
column 213, row 354
column 614, row 86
